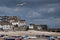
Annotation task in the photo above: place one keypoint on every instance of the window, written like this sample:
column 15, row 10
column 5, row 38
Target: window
column 39, row 27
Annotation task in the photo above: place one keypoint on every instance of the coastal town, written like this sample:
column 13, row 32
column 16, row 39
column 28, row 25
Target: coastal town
column 29, row 20
column 15, row 26
column 14, row 23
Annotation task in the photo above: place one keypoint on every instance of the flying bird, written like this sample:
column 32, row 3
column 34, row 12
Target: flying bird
column 21, row 4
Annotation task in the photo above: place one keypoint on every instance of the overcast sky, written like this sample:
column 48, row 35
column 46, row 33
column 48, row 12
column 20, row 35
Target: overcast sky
column 35, row 11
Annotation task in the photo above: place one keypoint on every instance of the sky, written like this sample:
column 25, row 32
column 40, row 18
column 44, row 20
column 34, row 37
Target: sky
column 33, row 11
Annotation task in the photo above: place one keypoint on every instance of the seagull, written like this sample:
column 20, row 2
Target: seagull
column 21, row 4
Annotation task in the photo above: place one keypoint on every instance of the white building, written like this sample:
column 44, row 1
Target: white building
column 31, row 26
column 15, row 23
column 21, row 23
column 6, row 26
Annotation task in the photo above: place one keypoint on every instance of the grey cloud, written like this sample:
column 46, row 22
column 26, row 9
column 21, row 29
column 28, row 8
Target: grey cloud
column 8, row 3
column 37, row 11
column 30, row 3
column 52, row 23
column 47, row 11
column 13, row 11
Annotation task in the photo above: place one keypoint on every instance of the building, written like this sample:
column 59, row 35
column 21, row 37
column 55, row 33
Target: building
column 15, row 22
column 12, row 22
column 12, row 18
column 23, row 28
column 6, row 25
column 3, row 18
column 19, row 25
column 21, row 22
column 54, row 29
column 8, row 18
column 41, row 27
column 31, row 26
column 38, row 27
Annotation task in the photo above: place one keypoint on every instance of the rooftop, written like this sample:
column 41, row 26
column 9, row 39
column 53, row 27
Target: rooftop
column 5, row 23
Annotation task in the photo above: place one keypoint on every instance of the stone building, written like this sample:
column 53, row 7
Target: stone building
column 17, row 23
column 38, row 27
column 23, row 28
column 8, row 18
column 41, row 27
column 4, row 25
column 21, row 22
column 54, row 29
